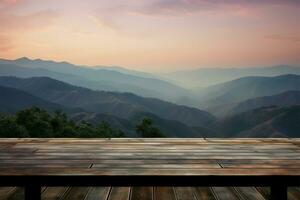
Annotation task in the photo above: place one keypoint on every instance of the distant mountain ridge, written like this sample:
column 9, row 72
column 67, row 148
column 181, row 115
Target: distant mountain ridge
column 262, row 122
column 287, row 98
column 99, row 78
column 269, row 121
column 124, row 105
column 13, row 100
column 200, row 78
column 246, row 88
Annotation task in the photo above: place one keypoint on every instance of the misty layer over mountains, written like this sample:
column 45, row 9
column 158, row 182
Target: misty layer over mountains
column 99, row 78
column 201, row 78
column 250, row 102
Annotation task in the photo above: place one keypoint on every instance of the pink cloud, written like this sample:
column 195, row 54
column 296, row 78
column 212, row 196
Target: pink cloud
column 289, row 38
column 37, row 20
column 10, row 1
column 187, row 7
column 11, row 23
column 9, row 4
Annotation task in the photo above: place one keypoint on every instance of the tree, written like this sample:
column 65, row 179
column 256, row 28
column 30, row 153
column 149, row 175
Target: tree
column 146, row 129
column 9, row 127
column 105, row 130
column 58, row 121
column 35, row 122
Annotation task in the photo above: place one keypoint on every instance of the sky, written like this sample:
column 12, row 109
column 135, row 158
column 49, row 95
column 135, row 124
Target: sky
column 153, row 35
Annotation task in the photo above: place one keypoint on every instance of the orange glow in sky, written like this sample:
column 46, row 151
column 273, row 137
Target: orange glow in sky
column 153, row 35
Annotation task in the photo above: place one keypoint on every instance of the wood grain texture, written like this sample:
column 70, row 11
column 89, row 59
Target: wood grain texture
column 125, row 156
column 18, row 194
column 119, row 193
column 98, row 193
column 225, row 193
column 54, row 193
column 6, row 192
column 293, row 193
column 248, row 193
column 76, row 193
column 185, row 193
column 160, row 193
column 204, row 193
column 142, row 193
column 164, row 193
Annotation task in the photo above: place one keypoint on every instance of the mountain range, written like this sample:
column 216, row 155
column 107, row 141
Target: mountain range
column 123, row 105
column 170, row 128
column 262, row 122
column 287, row 98
column 98, row 78
column 251, row 106
column 245, row 88
column 204, row 77
column 13, row 100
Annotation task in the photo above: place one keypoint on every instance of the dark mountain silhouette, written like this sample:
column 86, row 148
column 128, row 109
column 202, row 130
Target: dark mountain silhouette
column 12, row 100
column 288, row 98
column 263, row 122
column 124, row 105
column 8, row 69
column 98, row 78
column 245, row 88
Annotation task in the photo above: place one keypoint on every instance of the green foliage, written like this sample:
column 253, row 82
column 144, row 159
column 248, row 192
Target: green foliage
column 105, row 129
column 146, row 129
column 35, row 122
column 9, row 127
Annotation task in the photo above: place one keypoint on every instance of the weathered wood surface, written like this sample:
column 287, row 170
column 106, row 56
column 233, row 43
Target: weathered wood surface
column 159, row 193
column 155, row 157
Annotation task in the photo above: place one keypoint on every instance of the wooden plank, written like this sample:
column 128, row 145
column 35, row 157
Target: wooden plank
column 141, row 193
column 293, row 193
column 259, row 166
column 145, row 156
column 119, row 193
column 157, row 166
column 248, row 193
column 6, row 192
column 43, row 165
column 225, row 193
column 160, row 193
column 264, row 191
column 18, row 194
column 185, row 193
column 164, row 193
column 109, row 161
column 204, row 193
column 149, row 172
column 149, row 154
column 157, row 157
column 20, row 161
column 54, row 193
column 98, row 193
column 76, row 193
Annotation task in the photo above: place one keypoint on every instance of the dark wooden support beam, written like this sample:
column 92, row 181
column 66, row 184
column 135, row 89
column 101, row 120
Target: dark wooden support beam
column 278, row 193
column 32, row 192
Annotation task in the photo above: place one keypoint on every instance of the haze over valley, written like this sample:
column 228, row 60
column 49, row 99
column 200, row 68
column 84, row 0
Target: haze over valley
column 247, row 106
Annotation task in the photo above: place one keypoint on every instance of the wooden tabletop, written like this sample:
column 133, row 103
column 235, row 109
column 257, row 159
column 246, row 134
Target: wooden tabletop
column 153, row 157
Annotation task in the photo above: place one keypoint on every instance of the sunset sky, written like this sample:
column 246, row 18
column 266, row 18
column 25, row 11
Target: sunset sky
column 153, row 35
